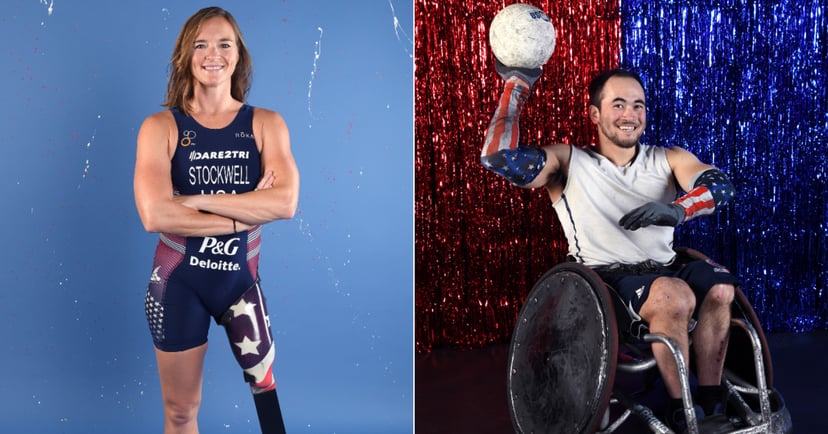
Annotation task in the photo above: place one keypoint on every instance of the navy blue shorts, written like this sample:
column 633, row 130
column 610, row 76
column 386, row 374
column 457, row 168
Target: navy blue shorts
column 195, row 279
column 633, row 283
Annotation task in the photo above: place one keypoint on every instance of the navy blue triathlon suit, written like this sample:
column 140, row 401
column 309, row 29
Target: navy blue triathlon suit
column 195, row 278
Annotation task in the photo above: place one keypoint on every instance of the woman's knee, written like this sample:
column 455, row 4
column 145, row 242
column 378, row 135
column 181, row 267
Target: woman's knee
column 181, row 412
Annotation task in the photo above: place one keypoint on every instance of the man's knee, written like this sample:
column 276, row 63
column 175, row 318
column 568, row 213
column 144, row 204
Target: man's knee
column 670, row 298
column 721, row 294
column 673, row 293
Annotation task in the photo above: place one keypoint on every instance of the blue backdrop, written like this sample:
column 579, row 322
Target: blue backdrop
column 742, row 85
column 76, row 82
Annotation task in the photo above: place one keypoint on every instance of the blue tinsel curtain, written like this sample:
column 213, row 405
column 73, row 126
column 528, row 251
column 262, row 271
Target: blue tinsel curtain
column 742, row 85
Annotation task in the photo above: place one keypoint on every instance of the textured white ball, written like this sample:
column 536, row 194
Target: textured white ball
column 522, row 36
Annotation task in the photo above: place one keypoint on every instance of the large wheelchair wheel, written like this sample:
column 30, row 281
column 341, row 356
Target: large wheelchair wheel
column 563, row 354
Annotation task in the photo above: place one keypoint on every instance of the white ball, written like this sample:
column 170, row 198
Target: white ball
column 522, row 36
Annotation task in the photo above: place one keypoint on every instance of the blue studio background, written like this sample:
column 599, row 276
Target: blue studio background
column 742, row 85
column 76, row 82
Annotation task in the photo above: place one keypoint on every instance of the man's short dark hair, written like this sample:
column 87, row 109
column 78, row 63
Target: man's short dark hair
column 596, row 86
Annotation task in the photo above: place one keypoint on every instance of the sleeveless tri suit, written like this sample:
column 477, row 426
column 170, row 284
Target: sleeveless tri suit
column 195, row 278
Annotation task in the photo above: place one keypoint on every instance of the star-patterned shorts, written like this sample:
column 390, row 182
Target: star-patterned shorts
column 183, row 295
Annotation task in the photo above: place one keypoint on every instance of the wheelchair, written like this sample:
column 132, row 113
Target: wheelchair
column 578, row 363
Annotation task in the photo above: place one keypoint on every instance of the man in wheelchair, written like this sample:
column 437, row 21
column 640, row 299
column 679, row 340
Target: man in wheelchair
column 618, row 203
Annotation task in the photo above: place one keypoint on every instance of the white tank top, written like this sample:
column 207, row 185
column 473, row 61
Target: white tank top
column 598, row 193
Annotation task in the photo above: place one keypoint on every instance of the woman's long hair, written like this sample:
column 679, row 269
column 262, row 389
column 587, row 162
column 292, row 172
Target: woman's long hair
column 180, row 84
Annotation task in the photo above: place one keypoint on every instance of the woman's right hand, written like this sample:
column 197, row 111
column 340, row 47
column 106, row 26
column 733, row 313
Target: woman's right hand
column 266, row 181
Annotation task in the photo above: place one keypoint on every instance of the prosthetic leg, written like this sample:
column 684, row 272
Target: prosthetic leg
column 248, row 329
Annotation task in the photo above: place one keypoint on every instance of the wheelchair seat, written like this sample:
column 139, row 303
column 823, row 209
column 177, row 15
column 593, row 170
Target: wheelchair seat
column 574, row 336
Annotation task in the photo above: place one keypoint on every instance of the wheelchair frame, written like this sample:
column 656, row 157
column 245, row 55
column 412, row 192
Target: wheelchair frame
column 538, row 365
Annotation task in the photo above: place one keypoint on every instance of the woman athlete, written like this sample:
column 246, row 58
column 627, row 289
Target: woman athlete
column 209, row 172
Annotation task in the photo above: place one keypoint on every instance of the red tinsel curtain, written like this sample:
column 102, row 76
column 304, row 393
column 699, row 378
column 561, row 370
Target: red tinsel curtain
column 480, row 242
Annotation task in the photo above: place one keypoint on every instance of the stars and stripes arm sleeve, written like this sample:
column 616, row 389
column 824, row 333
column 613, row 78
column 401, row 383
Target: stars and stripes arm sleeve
column 711, row 189
column 502, row 153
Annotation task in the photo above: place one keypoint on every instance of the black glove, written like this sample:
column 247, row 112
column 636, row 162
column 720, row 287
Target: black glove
column 653, row 213
column 525, row 74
